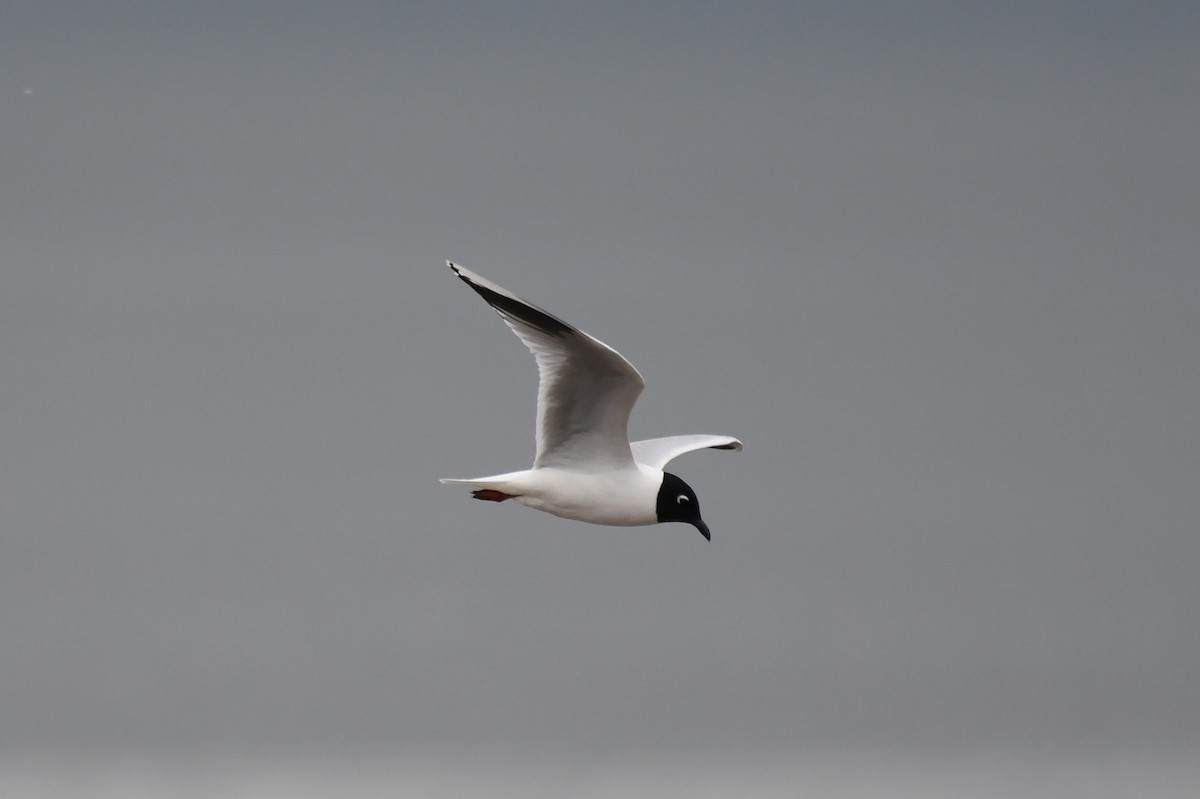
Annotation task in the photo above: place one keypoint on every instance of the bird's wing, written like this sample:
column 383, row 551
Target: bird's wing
column 658, row 452
column 586, row 389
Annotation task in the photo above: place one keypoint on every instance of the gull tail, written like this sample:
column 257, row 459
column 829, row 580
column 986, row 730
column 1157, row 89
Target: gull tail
column 509, row 483
column 482, row 482
column 493, row 489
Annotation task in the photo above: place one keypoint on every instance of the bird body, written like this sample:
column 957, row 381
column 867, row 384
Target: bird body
column 584, row 496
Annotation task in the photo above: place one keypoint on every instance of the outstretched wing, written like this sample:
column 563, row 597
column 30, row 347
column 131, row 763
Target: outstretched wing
column 586, row 389
column 658, row 452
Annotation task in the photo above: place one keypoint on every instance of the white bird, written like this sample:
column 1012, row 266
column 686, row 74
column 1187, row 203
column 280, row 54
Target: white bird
column 585, row 467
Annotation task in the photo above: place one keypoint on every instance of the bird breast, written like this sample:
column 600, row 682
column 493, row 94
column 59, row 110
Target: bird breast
column 625, row 498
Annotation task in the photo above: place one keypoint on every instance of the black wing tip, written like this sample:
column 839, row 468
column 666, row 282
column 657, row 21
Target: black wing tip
column 462, row 274
column 511, row 305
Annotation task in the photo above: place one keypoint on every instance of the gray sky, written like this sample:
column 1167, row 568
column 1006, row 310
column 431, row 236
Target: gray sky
column 936, row 264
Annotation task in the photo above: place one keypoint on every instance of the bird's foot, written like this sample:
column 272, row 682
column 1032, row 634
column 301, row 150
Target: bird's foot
column 491, row 495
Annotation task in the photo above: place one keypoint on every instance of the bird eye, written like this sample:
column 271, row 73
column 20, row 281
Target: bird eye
column 682, row 498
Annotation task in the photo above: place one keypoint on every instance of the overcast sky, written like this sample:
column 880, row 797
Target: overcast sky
column 936, row 264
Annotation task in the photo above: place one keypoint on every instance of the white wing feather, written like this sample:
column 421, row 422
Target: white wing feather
column 658, row 452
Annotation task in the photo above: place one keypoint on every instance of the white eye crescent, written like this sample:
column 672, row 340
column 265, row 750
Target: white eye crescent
column 682, row 498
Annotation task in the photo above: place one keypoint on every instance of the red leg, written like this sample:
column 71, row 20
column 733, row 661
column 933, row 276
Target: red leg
column 491, row 495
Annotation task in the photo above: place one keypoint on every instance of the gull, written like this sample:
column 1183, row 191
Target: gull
column 585, row 466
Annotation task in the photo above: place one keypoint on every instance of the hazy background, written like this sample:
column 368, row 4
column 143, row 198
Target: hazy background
column 935, row 263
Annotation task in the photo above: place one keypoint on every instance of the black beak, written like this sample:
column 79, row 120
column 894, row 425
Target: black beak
column 703, row 528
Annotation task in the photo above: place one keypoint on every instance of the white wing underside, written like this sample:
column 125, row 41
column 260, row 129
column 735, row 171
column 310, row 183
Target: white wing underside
column 586, row 389
column 658, row 452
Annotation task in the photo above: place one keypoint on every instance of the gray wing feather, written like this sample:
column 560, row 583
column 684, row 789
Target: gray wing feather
column 586, row 389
